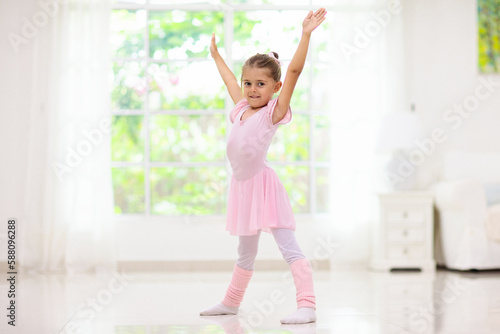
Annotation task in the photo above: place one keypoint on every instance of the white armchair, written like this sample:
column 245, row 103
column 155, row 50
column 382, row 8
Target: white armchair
column 464, row 224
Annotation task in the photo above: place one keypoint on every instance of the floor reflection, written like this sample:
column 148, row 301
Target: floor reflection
column 218, row 325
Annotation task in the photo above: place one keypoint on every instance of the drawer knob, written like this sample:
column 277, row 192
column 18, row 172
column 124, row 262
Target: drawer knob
column 405, row 251
column 405, row 214
column 405, row 233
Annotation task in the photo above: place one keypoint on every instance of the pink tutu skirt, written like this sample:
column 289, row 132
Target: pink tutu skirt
column 258, row 203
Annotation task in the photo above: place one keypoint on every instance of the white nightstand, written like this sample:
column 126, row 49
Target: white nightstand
column 403, row 237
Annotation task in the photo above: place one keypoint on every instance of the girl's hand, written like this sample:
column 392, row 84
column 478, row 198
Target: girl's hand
column 313, row 20
column 213, row 47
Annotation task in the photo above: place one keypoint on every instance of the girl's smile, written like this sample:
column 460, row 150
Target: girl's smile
column 258, row 87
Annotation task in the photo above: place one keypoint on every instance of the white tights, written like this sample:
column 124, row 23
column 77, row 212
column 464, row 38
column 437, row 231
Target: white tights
column 287, row 244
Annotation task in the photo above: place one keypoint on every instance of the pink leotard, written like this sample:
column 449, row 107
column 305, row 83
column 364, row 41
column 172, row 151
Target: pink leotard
column 257, row 198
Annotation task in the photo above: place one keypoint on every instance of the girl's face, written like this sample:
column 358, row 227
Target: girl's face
column 258, row 86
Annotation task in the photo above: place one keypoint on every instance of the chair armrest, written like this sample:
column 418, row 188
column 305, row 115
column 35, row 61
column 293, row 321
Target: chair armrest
column 464, row 200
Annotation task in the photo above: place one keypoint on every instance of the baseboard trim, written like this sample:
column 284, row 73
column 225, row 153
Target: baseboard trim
column 213, row 265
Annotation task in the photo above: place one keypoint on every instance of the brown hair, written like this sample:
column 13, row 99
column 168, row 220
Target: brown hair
column 264, row 61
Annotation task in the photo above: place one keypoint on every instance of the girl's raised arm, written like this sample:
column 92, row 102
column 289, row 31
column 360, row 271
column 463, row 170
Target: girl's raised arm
column 227, row 75
column 311, row 22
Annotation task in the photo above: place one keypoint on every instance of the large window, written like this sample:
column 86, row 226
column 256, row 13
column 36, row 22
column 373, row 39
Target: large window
column 170, row 106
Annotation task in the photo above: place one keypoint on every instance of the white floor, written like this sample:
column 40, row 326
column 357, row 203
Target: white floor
column 355, row 301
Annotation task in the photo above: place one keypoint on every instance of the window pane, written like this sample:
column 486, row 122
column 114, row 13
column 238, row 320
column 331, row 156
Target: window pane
column 185, row 85
column 322, row 189
column 127, row 33
column 129, row 87
column 296, row 182
column 179, row 34
column 237, row 71
column 321, row 46
column 300, row 97
column 178, row 191
column 244, row 24
column 291, row 141
column 322, row 92
column 321, row 133
column 188, row 138
column 272, row 30
column 128, row 185
column 127, row 138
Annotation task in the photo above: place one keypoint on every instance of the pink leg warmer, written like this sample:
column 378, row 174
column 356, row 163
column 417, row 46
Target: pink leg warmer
column 302, row 276
column 237, row 287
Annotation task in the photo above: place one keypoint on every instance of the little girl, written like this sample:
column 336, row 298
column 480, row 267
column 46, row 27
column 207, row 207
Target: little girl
column 257, row 199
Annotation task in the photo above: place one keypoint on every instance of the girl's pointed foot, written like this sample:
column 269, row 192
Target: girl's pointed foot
column 219, row 309
column 303, row 315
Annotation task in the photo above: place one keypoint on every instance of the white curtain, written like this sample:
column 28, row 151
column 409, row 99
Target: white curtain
column 68, row 211
column 365, row 82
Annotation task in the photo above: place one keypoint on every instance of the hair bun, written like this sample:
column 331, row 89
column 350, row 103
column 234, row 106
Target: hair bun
column 274, row 54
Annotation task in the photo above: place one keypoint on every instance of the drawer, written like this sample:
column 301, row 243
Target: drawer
column 405, row 216
column 405, row 252
column 404, row 234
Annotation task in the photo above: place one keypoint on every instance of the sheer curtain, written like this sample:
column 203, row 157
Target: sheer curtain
column 68, row 217
column 364, row 85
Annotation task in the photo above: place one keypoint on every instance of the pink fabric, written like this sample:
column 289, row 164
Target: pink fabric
column 302, row 276
column 237, row 286
column 259, row 203
column 257, row 198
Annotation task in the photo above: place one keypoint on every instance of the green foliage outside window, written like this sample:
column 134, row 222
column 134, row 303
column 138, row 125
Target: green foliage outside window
column 187, row 191
column 193, row 138
column 127, row 140
column 180, row 35
column 128, row 184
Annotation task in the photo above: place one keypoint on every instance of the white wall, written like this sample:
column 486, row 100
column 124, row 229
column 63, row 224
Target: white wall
column 442, row 71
